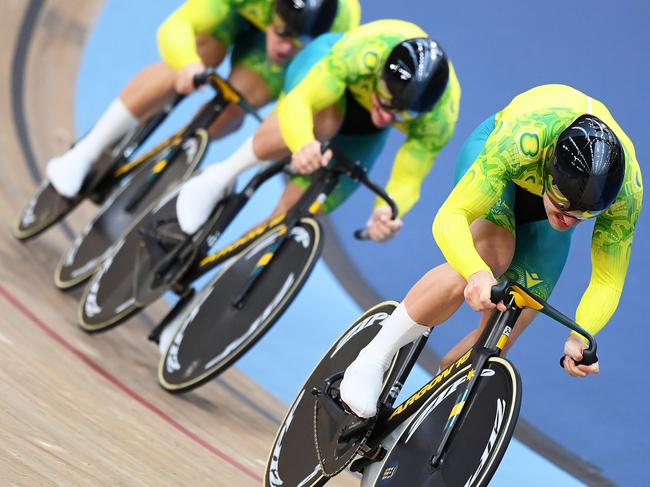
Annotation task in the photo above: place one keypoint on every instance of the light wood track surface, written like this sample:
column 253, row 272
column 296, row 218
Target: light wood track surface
column 77, row 409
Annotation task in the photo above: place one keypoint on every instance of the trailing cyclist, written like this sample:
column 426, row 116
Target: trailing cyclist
column 264, row 35
column 349, row 88
column 551, row 159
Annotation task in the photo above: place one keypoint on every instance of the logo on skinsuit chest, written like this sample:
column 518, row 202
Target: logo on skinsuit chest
column 529, row 144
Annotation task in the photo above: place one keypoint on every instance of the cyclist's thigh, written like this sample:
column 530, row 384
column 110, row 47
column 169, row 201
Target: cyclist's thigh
column 249, row 51
column 540, row 255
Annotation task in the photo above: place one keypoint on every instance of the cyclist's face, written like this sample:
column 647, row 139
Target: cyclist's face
column 558, row 219
column 280, row 48
column 381, row 116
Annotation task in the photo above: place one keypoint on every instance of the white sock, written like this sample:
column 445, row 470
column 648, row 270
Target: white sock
column 200, row 194
column 363, row 379
column 68, row 171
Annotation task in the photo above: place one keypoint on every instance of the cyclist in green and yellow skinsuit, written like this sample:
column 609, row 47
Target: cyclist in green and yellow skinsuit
column 551, row 159
column 350, row 88
column 262, row 35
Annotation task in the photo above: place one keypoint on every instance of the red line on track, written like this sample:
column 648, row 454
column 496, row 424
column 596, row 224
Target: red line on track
column 120, row 385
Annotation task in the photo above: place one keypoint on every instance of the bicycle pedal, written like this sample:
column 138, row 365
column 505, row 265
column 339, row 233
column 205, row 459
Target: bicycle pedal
column 373, row 456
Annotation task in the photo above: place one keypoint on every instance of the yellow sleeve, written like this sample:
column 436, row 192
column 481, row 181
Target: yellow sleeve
column 177, row 34
column 413, row 162
column 320, row 89
column 473, row 196
column 427, row 135
column 610, row 257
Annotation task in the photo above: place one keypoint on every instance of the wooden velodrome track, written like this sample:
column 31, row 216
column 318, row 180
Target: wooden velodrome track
column 77, row 409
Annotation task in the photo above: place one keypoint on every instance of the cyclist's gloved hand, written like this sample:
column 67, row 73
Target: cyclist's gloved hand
column 199, row 196
column 380, row 226
column 185, row 78
column 573, row 348
column 478, row 289
column 310, row 159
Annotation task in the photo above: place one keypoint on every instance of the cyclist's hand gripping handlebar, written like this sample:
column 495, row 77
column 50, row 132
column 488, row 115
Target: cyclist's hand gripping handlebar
column 508, row 289
column 363, row 233
column 355, row 170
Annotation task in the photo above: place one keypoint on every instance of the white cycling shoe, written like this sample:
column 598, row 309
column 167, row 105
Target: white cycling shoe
column 199, row 196
column 68, row 171
column 361, row 387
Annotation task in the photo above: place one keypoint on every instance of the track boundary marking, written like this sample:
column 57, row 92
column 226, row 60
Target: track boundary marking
column 25, row 311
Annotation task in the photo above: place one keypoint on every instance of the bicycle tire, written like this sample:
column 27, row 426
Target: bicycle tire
column 52, row 207
column 299, row 464
column 109, row 298
column 113, row 219
column 478, row 444
column 196, row 353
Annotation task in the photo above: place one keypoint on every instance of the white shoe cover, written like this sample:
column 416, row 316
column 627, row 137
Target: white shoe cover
column 361, row 386
column 199, row 196
column 68, row 171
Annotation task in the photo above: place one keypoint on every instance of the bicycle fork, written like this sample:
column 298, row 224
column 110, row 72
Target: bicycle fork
column 492, row 342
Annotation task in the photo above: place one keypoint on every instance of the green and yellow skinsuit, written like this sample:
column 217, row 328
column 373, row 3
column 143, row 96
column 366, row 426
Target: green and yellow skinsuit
column 241, row 24
column 351, row 65
column 510, row 149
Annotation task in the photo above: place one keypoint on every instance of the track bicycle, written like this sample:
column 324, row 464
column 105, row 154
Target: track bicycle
column 170, row 162
column 452, row 432
column 155, row 256
column 243, row 301
column 46, row 206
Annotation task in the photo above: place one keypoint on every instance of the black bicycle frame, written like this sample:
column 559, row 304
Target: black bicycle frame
column 491, row 343
column 309, row 204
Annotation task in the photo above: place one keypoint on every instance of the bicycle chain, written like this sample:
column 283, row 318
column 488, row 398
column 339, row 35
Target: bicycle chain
column 319, row 453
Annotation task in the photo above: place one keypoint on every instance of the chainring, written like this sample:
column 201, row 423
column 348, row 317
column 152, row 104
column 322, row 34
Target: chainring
column 348, row 450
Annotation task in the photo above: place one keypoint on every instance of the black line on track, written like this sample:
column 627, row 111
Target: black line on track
column 18, row 67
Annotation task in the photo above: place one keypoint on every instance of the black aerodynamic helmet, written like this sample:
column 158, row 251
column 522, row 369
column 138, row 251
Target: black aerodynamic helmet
column 415, row 75
column 587, row 170
column 305, row 18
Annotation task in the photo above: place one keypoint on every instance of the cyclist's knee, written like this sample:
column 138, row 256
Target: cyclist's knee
column 445, row 276
column 228, row 122
column 251, row 85
column 210, row 50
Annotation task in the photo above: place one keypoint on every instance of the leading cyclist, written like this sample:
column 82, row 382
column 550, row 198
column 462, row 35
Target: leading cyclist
column 264, row 35
column 553, row 158
column 349, row 87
